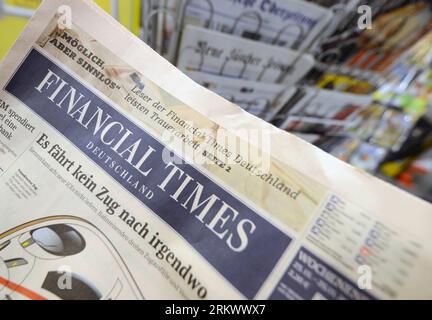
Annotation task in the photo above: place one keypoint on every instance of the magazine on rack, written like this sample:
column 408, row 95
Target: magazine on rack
column 123, row 176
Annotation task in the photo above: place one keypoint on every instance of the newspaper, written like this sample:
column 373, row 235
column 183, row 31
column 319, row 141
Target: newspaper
column 292, row 24
column 121, row 178
column 264, row 100
column 323, row 108
column 218, row 53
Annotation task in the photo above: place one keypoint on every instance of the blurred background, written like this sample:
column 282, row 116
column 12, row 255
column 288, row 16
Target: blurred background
column 352, row 77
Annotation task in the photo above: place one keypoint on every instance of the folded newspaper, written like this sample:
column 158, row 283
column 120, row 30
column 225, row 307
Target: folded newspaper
column 121, row 178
